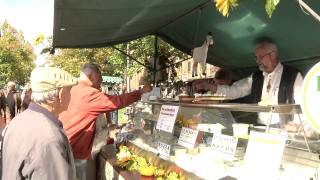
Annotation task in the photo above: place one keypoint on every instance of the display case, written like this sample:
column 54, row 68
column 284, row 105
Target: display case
column 223, row 148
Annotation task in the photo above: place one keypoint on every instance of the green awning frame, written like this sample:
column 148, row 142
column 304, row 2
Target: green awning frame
column 112, row 79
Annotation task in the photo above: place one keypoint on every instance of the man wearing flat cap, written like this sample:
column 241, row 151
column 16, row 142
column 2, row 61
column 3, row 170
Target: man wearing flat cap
column 34, row 144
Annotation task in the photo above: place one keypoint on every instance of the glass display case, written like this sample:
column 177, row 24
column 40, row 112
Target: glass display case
column 216, row 121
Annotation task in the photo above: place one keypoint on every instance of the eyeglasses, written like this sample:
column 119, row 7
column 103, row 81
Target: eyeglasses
column 261, row 57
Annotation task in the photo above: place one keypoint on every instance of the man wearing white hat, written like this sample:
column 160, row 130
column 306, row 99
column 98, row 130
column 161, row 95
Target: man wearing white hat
column 34, row 144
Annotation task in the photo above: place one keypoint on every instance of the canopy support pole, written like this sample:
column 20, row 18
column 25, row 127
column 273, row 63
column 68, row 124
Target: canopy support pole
column 146, row 66
column 127, row 68
column 174, row 63
column 303, row 5
column 155, row 59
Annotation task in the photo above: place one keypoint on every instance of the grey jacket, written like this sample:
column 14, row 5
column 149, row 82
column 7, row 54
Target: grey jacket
column 36, row 147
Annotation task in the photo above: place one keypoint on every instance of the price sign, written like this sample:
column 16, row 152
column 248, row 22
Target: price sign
column 167, row 118
column 164, row 150
column 264, row 154
column 224, row 144
column 188, row 137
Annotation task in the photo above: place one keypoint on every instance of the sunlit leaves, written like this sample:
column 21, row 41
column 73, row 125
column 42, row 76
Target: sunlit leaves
column 16, row 56
column 39, row 39
column 224, row 6
column 270, row 6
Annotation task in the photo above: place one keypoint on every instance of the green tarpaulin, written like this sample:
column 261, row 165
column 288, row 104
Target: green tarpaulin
column 184, row 24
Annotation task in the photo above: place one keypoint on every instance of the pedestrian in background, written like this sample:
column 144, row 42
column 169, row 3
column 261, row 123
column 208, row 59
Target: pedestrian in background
column 26, row 96
column 13, row 100
column 3, row 104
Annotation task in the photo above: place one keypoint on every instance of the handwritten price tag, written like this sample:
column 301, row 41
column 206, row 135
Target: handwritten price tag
column 167, row 118
column 188, row 137
column 164, row 150
column 224, row 144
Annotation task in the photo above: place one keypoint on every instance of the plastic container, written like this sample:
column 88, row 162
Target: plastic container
column 240, row 130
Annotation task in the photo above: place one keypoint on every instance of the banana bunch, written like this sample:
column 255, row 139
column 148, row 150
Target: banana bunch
column 224, row 6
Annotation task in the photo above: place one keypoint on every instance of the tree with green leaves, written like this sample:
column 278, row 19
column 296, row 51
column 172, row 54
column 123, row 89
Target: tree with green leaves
column 16, row 56
column 113, row 62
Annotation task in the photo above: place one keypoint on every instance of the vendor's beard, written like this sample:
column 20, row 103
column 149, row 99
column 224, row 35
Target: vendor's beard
column 262, row 67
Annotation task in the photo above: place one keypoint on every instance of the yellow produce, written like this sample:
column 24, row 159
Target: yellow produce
column 172, row 176
column 133, row 162
column 147, row 171
column 123, row 153
column 159, row 172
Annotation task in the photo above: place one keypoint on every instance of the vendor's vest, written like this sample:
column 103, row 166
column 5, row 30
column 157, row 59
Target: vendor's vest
column 285, row 94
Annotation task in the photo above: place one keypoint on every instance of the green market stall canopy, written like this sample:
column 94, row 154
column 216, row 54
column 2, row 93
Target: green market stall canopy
column 112, row 79
column 184, row 24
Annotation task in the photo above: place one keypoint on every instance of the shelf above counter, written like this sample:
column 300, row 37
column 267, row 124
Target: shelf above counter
column 281, row 109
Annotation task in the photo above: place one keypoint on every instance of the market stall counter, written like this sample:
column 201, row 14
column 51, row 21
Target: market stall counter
column 201, row 141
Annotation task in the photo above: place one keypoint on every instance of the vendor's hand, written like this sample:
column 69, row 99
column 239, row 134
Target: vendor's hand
column 204, row 85
column 292, row 127
column 146, row 88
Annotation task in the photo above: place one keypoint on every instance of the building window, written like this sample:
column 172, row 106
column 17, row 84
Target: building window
column 189, row 67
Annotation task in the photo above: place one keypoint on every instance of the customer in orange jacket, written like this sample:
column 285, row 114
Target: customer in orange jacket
column 87, row 101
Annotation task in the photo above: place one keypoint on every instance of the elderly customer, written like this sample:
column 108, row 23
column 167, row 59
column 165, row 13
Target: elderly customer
column 274, row 83
column 87, row 101
column 35, row 145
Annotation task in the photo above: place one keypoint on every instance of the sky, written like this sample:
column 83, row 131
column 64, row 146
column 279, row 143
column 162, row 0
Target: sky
column 32, row 17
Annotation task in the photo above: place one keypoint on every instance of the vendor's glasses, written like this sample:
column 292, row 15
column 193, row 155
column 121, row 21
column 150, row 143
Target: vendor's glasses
column 261, row 57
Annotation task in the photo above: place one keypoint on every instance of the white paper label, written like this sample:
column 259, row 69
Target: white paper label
column 188, row 137
column 167, row 118
column 164, row 150
column 224, row 144
column 109, row 171
column 264, row 154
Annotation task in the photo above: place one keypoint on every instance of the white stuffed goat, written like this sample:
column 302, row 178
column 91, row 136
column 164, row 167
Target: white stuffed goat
column 200, row 55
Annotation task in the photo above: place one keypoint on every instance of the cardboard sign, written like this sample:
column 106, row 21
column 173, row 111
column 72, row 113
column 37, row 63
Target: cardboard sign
column 164, row 150
column 167, row 118
column 188, row 137
column 264, row 154
column 224, row 144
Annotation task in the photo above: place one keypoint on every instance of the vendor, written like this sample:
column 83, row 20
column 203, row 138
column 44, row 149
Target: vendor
column 273, row 83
